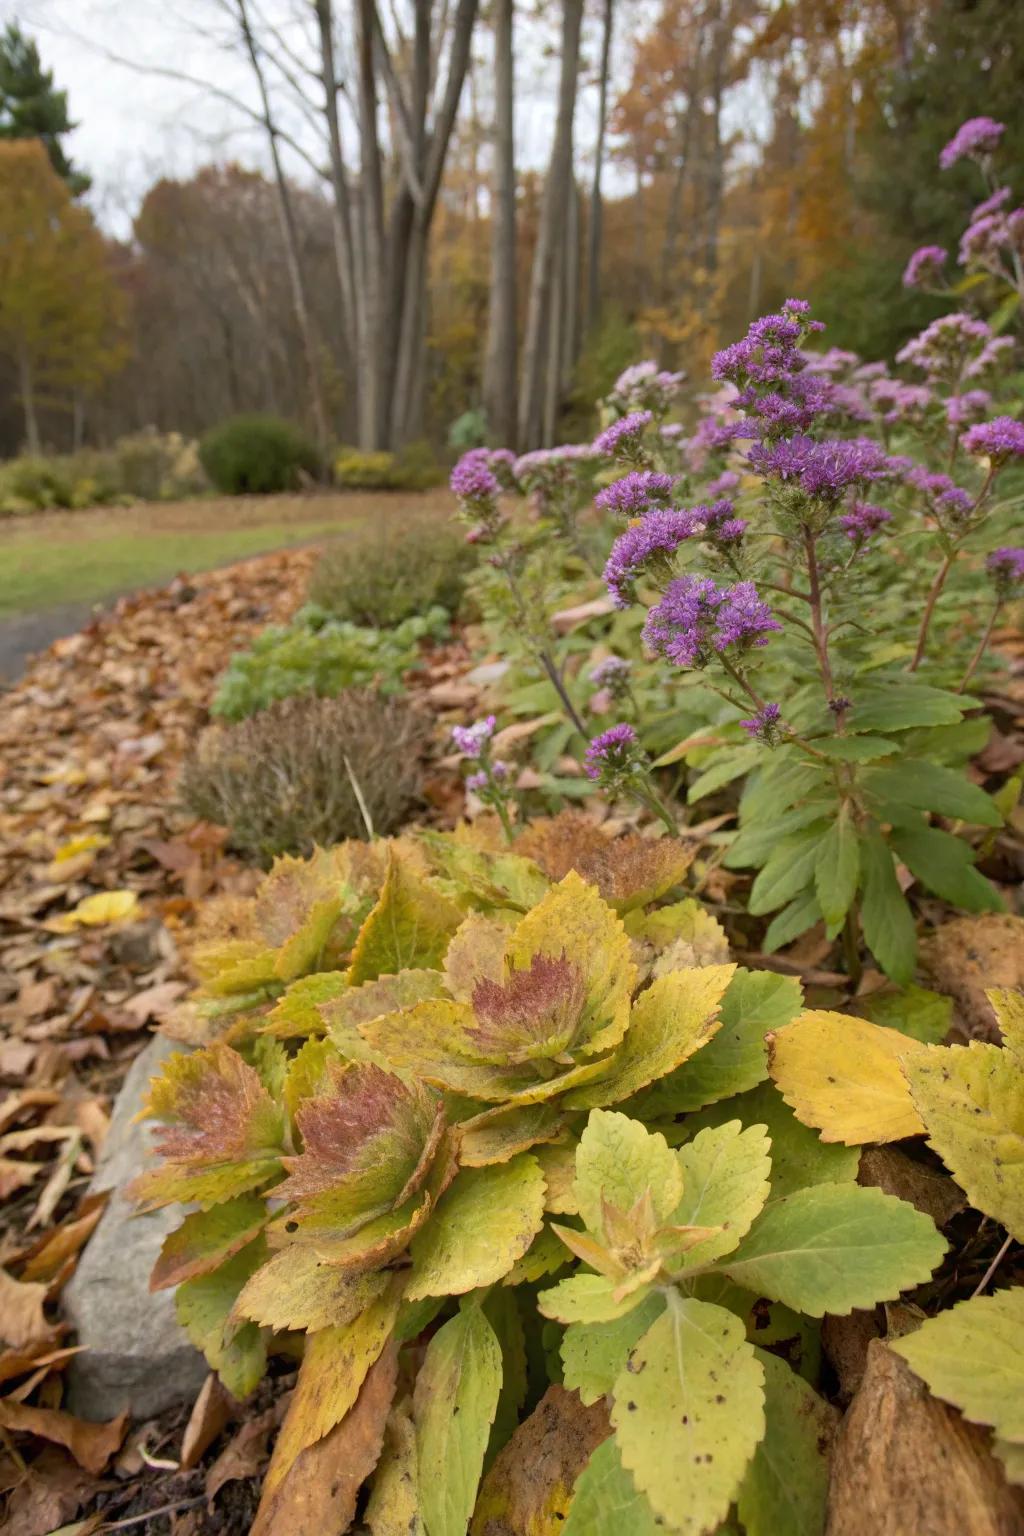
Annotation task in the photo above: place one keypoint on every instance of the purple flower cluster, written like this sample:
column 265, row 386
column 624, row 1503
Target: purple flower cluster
column 863, row 521
column 946, row 501
column 1000, row 439
column 623, row 438
column 945, row 346
column 635, row 493
column 968, row 408
column 646, row 387
column 978, row 137
column 834, row 362
column 696, row 620
column 471, row 740
column 498, row 773
column 899, row 402
column 1006, row 567
column 924, row 269
column 473, row 481
column 822, row 470
column 612, row 673
column 770, row 351
column 647, row 546
column 613, row 756
column 764, row 725
column 724, row 485
column 552, row 463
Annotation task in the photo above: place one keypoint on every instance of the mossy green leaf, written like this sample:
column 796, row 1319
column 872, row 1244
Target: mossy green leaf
column 583, row 1298
column 206, row 1239
column 618, row 1163
column 786, row 1486
column 725, row 1183
column 408, row 929
column 595, row 1354
column 236, row 1350
column 799, row 1156
column 606, row 1501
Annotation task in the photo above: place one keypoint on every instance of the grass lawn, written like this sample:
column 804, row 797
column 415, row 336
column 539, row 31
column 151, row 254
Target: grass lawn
column 54, row 558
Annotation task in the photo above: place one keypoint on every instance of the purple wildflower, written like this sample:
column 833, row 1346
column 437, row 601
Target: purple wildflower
column 996, row 352
column 968, row 408
column 730, row 531
column 946, row 500
column 633, row 495
column 695, row 620
column 833, row 362
column 1006, row 567
column 764, row 725
column 944, row 346
column 471, row 740
column 992, row 204
column 1000, row 439
column 983, row 240
column 898, row 402
column 646, row 387
column 727, row 482
column 613, row 673
column 822, row 470
column 862, row 521
column 472, row 481
column 623, row 438
column 924, row 269
column 646, row 546
column 613, row 756
column 974, row 139
column 499, row 773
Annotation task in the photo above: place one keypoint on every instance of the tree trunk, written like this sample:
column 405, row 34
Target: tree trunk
column 715, row 175
column 546, row 257
column 289, row 230
column 674, row 219
column 596, row 207
column 371, row 243
column 344, row 247
column 27, row 387
column 77, row 420
column 499, row 388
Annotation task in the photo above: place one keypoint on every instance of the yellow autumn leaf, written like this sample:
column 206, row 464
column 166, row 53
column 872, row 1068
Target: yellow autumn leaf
column 1009, row 1011
column 102, row 908
column 88, row 842
column 843, row 1076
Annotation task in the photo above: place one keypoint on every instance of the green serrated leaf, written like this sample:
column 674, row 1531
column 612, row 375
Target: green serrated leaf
column 898, row 706
column 236, row 1350
column 914, row 1011
column 799, row 1156
column 835, row 1247
column 753, row 846
column 584, row 1298
column 971, row 1099
column 885, row 916
column 727, row 767
column 945, row 864
column 606, row 1501
column 688, row 1413
column 206, row 1239
column 725, row 1183
column 973, row 1357
column 594, row 1354
column 618, row 1162
column 734, row 1059
column 786, row 1486
column 930, row 787
column 836, row 867
column 786, row 874
column 483, row 1223
column 456, row 1398
column 408, row 928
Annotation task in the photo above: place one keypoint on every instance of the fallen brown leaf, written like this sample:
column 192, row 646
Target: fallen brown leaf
column 50, row 1494
column 319, row 1492
column 46, row 1256
column 21, row 1313
column 210, row 1412
column 245, row 1455
column 92, row 1445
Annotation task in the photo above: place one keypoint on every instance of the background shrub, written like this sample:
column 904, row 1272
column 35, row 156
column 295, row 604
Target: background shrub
column 282, row 781
column 383, row 573
column 414, row 469
column 257, row 455
column 146, row 466
column 316, row 654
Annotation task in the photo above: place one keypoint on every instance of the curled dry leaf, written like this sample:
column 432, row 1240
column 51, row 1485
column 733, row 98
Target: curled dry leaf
column 22, row 1322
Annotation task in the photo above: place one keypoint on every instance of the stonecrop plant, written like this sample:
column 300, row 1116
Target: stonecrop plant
column 467, row 1126
column 826, row 601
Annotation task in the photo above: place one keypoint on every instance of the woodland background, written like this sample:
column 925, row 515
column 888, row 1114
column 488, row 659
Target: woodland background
column 392, row 273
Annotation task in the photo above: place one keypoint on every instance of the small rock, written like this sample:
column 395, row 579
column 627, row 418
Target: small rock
column 136, row 1355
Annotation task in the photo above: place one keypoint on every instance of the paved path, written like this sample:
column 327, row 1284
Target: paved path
column 22, row 637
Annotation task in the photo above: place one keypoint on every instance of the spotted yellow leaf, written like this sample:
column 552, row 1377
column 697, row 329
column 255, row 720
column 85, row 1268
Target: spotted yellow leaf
column 843, row 1076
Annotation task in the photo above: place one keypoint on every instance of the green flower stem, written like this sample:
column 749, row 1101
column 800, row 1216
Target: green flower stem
column 645, row 792
column 982, row 646
column 942, row 573
column 541, row 652
column 502, row 809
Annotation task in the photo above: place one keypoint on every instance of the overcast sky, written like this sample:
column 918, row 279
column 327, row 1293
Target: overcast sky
column 135, row 125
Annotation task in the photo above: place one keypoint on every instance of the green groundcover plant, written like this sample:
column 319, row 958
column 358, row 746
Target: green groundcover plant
column 322, row 655
column 799, row 599
column 465, row 1123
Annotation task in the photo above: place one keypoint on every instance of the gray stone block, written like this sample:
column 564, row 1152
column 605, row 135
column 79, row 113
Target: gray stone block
column 136, row 1355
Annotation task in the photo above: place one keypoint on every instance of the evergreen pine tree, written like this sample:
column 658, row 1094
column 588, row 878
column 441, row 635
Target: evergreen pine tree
column 30, row 105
